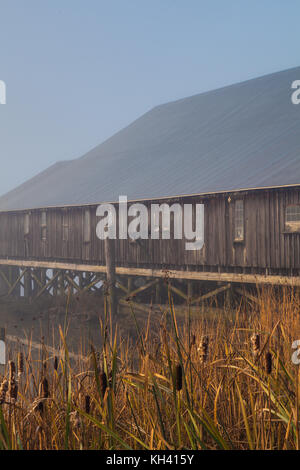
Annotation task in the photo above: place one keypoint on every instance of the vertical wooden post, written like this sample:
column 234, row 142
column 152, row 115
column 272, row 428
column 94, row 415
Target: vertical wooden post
column 158, row 293
column 3, row 285
column 54, row 283
column 43, row 276
column 129, row 283
column 27, row 284
column 61, row 283
column 189, row 291
column 80, row 280
column 109, row 246
column 35, row 287
column 14, row 273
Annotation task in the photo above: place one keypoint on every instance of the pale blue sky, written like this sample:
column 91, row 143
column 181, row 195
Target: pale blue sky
column 79, row 70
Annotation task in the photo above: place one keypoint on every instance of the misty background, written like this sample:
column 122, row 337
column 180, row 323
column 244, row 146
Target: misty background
column 77, row 71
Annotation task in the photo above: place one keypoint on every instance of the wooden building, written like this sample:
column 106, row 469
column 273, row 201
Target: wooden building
column 251, row 236
column 235, row 150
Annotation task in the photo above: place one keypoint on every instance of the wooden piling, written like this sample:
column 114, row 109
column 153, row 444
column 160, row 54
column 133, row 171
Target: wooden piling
column 111, row 274
column 27, row 284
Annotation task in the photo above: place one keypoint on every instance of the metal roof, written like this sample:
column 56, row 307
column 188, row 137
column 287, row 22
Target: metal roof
column 245, row 135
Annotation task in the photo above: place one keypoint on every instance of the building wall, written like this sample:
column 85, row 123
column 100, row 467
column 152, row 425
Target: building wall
column 266, row 242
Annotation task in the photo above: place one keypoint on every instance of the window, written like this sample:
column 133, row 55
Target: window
column 292, row 218
column 26, row 225
column 44, row 226
column 239, row 221
column 87, row 226
column 65, row 228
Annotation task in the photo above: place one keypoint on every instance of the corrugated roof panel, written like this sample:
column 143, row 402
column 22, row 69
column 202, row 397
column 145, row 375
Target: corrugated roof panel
column 242, row 136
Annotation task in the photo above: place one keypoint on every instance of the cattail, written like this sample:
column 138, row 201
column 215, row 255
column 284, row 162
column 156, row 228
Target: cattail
column 12, row 389
column 38, row 406
column 12, row 385
column 20, row 364
column 157, row 350
column 55, row 365
column 103, row 383
column 164, row 336
column 44, row 389
column 87, row 404
column 75, row 420
column 95, row 357
column 268, row 363
column 11, row 368
column 3, row 390
column 203, row 348
column 193, row 340
column 98, row 358
column 178, row 377
column 255, row 345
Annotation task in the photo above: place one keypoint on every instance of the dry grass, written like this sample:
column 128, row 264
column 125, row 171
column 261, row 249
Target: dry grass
column 209, row 384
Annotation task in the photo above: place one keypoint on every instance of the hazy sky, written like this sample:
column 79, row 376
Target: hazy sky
column 78, row 70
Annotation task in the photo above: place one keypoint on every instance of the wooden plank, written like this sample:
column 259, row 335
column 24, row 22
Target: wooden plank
column 48, row 284
column 172, row 274
column 41, row 347
column 139, row 307
column 178, row 292
column 246, row 294
column 211, row 294
column 142, row 288
column 109, row 246
column 17, row 281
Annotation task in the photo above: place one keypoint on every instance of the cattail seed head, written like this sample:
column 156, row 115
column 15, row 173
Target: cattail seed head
column 178, row 377
column 87, row 400
column 12, row 385
column 11, row 369
column 55, row 365
column 44, row 389
column 3, row 390
column 75, row 420
column 164, row 336
column 268, row 363
column 203, row 348
column 255, row 344
column 12, row 389
column 20, row 363
column 39, row 406
column 103, row 383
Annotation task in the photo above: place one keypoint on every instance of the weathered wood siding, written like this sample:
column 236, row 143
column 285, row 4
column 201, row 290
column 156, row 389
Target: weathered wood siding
column 265, row 245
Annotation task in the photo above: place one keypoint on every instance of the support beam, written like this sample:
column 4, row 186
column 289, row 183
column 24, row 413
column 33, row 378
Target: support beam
column 178, row 292
column 48, row 284
column 141, row 289
column 246, row 294
column 27, row 283
column 14, row 285
column 256, row 279
column 211, row 294
column 109, row 247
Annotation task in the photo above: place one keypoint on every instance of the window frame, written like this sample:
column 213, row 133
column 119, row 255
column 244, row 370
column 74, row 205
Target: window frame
column 44, row 226
column 26, row 224
column 291, row 226
column 239, row 219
